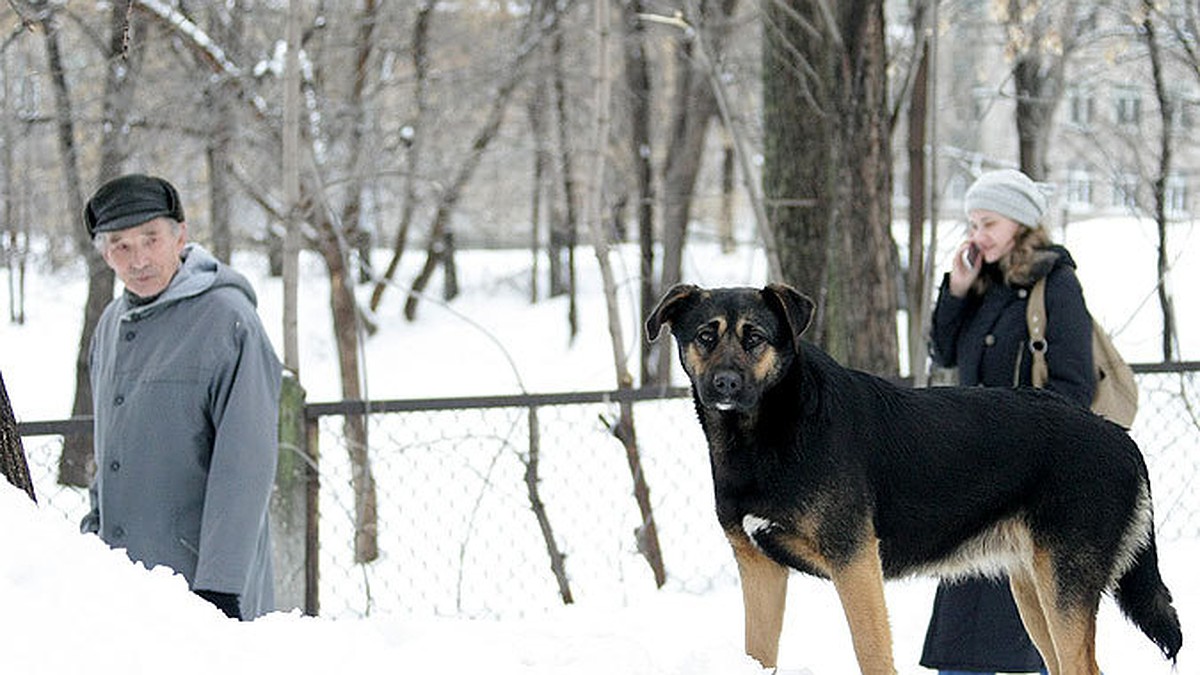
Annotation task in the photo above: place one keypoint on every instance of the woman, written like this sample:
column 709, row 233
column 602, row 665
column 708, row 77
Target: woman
column 979, row 326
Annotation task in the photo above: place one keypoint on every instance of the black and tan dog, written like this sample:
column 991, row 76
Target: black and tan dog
column 840, row 474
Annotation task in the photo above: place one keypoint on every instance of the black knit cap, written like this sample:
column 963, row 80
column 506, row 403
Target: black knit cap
column 129, row 201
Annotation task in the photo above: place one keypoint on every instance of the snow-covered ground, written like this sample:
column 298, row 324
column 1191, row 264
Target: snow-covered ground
column 68, row 603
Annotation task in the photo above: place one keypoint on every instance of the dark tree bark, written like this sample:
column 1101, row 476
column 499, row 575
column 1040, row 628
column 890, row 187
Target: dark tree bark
column 637, row 83
column 226, row 26
column 918, row 119
column 825, row 99
column 1165, row 158
column 76, row 464
column 12, row 455
column 564, row 227
column 420, row 59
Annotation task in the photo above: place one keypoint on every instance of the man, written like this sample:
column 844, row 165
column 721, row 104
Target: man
column 185, row 389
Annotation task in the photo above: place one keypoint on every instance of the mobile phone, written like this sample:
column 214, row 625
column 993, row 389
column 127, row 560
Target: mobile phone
column 971, row 255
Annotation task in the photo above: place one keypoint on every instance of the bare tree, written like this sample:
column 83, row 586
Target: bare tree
column 76, row 464
column 225, row 25
column 918, row 123
column 415, row 135
column 1041, row 38
column 15, row 243
column 624, row 430
column 450, row 197
column 640, row 104
column 1166, row 107
column 564, row 225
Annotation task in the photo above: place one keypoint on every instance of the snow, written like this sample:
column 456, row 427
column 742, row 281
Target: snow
column 67, row 602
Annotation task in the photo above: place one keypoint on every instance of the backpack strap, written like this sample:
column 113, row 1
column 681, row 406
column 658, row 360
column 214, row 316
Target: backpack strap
column 1035, row 318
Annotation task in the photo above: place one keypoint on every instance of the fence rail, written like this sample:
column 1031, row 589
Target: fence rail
column 457, row 531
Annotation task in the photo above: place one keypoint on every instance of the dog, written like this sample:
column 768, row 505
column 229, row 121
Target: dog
column 847, row 476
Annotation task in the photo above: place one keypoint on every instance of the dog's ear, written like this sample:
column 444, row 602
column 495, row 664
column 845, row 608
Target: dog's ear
column 667, row 308
column 796, row 307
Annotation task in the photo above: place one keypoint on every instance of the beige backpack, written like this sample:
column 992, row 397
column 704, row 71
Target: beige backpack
column 1116, row 394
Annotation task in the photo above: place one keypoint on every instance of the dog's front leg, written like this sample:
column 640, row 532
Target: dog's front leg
column 764, row 594
column 859, row 585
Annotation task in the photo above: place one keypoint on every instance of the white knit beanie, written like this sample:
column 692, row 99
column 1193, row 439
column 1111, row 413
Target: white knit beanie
column 1010, row 193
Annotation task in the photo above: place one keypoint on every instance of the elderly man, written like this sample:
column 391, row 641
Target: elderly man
column 185, row 389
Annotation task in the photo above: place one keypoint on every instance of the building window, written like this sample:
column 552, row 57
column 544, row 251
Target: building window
column 1176, row 195
column 1082, row 106
column 1181, row 114
column 981, row 100
column 1124, row 193
column 1079, row 190
column 1129, row 106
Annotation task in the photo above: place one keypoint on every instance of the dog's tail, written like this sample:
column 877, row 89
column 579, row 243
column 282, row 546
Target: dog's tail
column 1145, row 600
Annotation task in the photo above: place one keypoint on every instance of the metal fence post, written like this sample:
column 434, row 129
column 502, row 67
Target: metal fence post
column 312, row 539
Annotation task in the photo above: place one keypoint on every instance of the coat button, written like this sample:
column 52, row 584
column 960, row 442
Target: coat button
column 989, row 340
column 1023, row 293
column 118, row 400
column 118, row 532
column 130, row 335
column 115, row 465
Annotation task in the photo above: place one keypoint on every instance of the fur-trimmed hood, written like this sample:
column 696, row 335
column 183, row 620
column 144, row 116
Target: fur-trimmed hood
column 1025, row 270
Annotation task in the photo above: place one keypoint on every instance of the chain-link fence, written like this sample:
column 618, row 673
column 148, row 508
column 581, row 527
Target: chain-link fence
column 458, row 533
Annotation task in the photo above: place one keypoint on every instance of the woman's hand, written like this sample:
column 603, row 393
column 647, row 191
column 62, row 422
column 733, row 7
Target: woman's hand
column 965, row 269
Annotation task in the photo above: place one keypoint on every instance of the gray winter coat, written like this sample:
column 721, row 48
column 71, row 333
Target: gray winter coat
column 185, row 391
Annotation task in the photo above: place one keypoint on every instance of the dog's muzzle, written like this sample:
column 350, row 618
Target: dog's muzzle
column 725, row 389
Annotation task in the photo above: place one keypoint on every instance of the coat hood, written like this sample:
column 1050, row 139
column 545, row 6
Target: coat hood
column 1037, row 265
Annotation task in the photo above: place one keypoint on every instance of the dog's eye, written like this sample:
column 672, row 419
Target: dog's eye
column 707, row 337
column 752, row 339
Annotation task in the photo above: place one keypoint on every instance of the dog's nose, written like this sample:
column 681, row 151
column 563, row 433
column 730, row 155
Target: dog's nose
column 727, row 383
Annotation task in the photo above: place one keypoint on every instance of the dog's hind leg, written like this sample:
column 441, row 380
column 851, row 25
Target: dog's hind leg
column 859, row 585
column 764, row 594
column 1071, row 620
column 1033, row 615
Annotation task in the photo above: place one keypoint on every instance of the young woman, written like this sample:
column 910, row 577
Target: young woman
column 979, row 327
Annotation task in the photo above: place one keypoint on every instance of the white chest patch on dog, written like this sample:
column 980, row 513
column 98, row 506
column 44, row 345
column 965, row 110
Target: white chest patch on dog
column 754, row 525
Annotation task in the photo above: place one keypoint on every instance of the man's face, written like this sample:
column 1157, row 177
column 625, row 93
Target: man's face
column 145, row 257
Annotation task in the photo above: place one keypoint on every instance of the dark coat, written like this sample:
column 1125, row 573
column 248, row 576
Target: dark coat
column 975, row 625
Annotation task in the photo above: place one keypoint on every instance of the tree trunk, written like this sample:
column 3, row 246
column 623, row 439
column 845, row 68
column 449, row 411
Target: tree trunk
column 647, row 531
column 345, row 328
column 12, row 455
column 420, row 58
column 16, row 229
column 535, row 111
column 564, row 231
column 1166, row 121
column 918, row 120
column 290, row 170
column 693, row 107
column 799, row 195
column 637, row 82
column 225, row 25
column 76, row 464
column 360, row 239
column 1038, row 75
column 558, row 560
column 826, row 100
